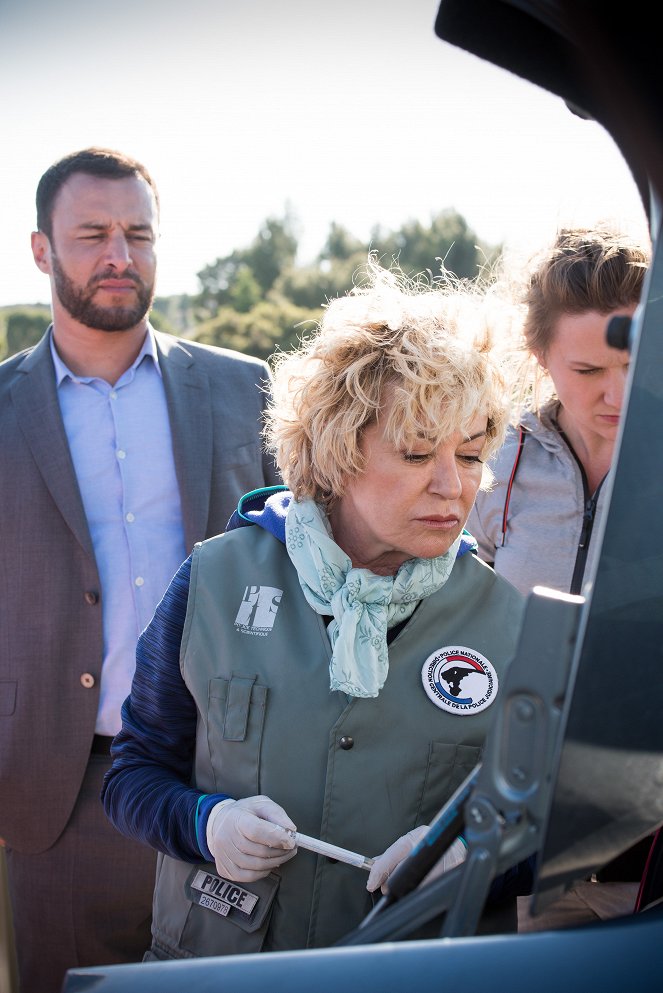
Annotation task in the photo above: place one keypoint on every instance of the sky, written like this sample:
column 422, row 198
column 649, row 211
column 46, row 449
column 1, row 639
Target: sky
column 350, row 111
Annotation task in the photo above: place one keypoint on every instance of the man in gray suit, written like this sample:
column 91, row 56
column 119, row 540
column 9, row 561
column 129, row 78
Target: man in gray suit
column 119, row 448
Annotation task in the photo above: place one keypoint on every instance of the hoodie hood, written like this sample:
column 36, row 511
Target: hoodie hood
column 543, row 427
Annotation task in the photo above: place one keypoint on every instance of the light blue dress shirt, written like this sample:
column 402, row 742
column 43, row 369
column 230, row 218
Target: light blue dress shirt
column 121, row 446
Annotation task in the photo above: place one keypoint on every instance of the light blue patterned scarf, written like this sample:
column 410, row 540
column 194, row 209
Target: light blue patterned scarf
column 363, row 604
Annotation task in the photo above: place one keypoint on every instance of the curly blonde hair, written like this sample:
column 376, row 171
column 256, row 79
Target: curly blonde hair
column 428, row 344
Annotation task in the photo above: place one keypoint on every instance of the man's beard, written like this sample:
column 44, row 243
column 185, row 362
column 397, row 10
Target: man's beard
column 79, row 302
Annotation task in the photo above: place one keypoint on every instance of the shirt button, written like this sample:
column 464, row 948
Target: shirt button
column 347, row 742
column 87, row 680
column 139, row 580
column 129, row 517
column 91, row 597
column 113, row 395
column 121, row 454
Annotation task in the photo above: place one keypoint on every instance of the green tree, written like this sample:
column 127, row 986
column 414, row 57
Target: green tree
column 246, row 291
column 215, row 282
column 271, row 252
column 340, row 245
column 257, row 300
column 311, row 286
column 24, row 326
column 275, row 323
column 173, row 314
column 448, row 242
column 160, row 321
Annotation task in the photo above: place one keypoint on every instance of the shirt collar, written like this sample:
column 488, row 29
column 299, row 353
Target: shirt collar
column 149, row 348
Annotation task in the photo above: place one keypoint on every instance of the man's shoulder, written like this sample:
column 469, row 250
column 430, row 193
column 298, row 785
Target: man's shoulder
column 37, row 356
column 211, row 355
column 9, row 367
column 9, row 364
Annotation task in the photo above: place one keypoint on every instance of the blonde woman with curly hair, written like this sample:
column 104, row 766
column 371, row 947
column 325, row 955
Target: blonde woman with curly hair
column 330, row 663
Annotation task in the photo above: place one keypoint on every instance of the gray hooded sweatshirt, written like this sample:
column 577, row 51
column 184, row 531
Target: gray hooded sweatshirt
column 550, row 512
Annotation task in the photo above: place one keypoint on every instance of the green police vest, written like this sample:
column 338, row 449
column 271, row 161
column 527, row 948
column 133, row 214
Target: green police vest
column 358, row 773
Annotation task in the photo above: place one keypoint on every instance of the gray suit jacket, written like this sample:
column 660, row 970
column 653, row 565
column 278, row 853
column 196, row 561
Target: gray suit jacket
column 50, row 597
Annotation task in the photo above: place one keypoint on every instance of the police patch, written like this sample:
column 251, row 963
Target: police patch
column 221, row 895
column 459, row 680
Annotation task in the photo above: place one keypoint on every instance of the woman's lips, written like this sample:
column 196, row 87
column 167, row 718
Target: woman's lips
column 435, row 521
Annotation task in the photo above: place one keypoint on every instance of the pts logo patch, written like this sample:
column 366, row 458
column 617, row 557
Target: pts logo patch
column 257, row 611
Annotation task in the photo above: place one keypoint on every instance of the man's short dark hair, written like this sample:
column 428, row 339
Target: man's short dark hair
column 102, row 162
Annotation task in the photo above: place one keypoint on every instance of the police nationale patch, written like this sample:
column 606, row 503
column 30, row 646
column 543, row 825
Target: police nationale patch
column 459, row 680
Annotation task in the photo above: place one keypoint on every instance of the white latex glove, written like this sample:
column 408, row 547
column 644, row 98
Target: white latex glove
column 385, row 864
column 454, row 855
column 247, row 837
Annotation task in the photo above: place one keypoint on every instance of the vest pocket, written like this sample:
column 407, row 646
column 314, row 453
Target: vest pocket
column 227, row 918
column 197, row 912
column 159, row 953
column 448, row 766
column 235, row 721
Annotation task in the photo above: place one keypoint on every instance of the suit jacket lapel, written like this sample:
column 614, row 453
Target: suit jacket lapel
column 38, row 413
column 189, row 406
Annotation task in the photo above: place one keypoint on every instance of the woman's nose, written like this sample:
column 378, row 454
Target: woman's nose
column 445, row 479
column 615, row 387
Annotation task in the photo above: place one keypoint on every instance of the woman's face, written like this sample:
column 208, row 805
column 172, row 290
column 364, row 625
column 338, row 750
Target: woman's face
column 408, row 503
column 588, row 374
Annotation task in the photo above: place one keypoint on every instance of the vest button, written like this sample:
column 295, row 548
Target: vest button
column 347, row 742
column 87, row 680
column 91, row 597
